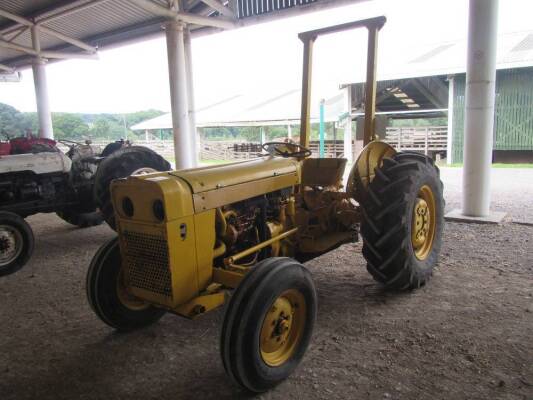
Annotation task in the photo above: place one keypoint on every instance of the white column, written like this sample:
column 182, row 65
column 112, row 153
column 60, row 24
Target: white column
column 479, row 106
column 451, row 94
column 190, row 93
column 289, row 131
column 44, row 114
column 348, row 150
column 184, row 148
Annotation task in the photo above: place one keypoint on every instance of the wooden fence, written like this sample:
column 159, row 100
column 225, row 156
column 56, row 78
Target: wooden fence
column 428, row 140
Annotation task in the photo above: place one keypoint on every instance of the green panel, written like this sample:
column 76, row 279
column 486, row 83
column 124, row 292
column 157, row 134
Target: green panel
column 458, row 117
column 514, row 111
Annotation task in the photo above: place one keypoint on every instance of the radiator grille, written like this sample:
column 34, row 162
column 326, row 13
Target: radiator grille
column 147, row 262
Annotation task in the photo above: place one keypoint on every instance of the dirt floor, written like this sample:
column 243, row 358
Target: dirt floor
column 466, row 335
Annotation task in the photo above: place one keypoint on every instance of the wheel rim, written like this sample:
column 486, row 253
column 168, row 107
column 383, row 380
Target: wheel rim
column 127, row 300
column 143, row 171
column 283, row 328
column 423, row 224
column 11, row 243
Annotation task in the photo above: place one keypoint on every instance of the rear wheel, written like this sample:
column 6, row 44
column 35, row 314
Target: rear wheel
column 108, row 296
column 123, row 163
column 81, row 220
column 16, row 243
column 268, row 324
column 403, row 220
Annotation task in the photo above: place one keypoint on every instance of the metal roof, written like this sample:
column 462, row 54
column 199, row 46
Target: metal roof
column 100, row 23
column 251, row 109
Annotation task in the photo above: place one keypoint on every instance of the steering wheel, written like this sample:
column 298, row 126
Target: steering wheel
column 286, row 150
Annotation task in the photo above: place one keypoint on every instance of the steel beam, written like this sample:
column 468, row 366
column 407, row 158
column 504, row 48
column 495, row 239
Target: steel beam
column 305, row 120
column 348, row 148
column 370, row 86
column 7, row 69
column 221, row 8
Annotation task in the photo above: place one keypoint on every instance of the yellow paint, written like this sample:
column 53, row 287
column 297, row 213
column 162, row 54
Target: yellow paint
column 205, row 244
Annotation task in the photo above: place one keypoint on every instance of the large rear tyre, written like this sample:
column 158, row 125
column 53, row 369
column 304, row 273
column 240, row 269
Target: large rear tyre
column 16, row 243
column 403, row 220
column 109, row 298
column 268, row 324
column 123, row 163
column 81, row 220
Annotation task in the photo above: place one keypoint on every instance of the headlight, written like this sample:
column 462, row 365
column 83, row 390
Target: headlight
column 159, row 210
column 127, row 207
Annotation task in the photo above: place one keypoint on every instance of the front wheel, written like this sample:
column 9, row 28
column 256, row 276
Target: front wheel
column 268, row 324
column 108, row 296
column 16, row 243
column 403, row 220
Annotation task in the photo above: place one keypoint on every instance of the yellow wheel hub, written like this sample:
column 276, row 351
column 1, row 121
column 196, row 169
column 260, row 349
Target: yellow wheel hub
column 282, row 328
column 423, row 223
column 127, row 300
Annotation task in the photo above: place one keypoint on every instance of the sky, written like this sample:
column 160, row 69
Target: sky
column 264, row 58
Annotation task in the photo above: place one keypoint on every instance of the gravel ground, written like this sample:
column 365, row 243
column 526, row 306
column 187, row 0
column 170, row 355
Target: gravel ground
column 511, row 191
column 465, row 335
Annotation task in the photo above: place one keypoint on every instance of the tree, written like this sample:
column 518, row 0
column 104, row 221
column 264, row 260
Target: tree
column 12, row 121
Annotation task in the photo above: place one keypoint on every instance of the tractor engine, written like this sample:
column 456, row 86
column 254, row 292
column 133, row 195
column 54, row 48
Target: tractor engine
column 245, row 224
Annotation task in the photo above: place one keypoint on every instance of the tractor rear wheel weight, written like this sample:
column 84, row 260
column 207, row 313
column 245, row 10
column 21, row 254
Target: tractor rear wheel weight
column 16, row 242
column 108, row 297
column 121, row 164
column 403, row 220
column 268, row 323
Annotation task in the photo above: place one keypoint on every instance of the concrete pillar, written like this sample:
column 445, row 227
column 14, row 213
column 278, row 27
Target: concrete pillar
column 190, row 91
column 348, row 149
column 44, row 114
column 451, row 99
column 289, row 131
column 479, row 106
column 184, row 144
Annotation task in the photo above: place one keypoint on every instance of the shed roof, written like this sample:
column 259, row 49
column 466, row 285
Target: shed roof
column 102, row 23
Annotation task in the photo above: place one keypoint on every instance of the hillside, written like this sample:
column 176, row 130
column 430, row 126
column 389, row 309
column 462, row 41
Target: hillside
column 73, row 125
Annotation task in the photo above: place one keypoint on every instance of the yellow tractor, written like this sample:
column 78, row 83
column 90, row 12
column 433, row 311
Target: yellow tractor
column 192, row 240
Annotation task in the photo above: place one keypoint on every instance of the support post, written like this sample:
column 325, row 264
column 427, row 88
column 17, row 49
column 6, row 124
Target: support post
column 289, row 131
column 370, row 89
column 305, row 120
column 321, row 129
column 426, row 141
column 184, row 149
column 348, row 149
column 479, row 106
column 41, row 89
column 190, row 93
column 449, row 137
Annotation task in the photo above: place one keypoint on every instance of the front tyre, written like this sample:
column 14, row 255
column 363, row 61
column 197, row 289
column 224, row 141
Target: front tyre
column 107, row 294
column 403, row 220
column 16, row 243
column 268, row 324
